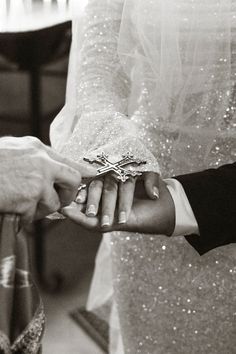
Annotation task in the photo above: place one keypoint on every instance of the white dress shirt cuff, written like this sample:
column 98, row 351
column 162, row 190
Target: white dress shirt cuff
column 185, row 221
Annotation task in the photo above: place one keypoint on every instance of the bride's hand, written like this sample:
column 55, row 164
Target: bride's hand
column 147, row 216
column 114, row 199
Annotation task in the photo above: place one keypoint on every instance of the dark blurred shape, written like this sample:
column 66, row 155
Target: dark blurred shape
column 29, row 52
column 94, row 326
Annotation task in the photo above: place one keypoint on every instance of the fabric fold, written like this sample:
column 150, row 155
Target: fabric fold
column 22, row 317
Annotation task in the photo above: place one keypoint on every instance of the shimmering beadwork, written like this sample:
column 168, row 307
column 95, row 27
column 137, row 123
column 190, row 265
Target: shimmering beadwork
column 29, row 341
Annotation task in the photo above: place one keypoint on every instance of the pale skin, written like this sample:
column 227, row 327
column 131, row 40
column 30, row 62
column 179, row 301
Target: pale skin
column 151, row 216
column 35, row 180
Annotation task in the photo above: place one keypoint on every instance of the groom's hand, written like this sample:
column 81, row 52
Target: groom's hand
column 35, row 180
column 147, row 216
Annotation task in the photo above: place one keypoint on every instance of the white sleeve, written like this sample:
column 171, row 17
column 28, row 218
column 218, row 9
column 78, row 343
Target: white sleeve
column 185, row 221
column 96, row 81
column 96, row 118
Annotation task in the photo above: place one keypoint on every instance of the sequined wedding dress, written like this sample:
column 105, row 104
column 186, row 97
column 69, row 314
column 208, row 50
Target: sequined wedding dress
column 157, row 78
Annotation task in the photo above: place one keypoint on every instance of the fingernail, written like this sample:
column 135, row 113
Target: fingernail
column 122, row 217
column 91, row 210
column 156, row 192
column 78, row 199
column 105, row 221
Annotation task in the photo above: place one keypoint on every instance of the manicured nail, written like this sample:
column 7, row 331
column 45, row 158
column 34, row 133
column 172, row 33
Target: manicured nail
column 156, row 192
column 105, row 221
column 78, row 199
column 91, row 210
column 122, row 217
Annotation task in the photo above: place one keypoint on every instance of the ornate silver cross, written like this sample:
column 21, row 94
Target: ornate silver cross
column 116, row 167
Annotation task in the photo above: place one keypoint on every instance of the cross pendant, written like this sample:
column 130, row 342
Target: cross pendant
column 116, row 167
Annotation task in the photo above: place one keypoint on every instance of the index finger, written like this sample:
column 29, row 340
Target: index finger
column 66, row 176
column 85, row 169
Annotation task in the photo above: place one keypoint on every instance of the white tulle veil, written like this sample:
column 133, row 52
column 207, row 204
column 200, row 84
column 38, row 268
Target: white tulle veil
column 184, row 51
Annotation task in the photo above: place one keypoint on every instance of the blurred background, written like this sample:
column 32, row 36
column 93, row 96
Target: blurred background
column 35, row 37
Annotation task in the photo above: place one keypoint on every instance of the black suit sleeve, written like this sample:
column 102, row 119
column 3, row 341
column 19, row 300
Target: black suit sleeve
column 212, row 195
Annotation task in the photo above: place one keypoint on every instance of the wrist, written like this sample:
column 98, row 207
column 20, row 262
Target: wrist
column 170, row 213
column 163, row 219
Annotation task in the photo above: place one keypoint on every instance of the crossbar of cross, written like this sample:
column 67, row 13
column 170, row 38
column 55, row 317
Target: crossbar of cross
column 116, row 167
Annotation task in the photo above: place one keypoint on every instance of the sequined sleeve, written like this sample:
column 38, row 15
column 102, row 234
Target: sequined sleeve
column 102, row 82
column 102, row 90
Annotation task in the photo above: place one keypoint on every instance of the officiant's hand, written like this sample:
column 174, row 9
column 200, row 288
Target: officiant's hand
column 146, row 216
column 35, row 180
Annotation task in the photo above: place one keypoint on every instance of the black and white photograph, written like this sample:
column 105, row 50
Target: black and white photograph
column 117, row 176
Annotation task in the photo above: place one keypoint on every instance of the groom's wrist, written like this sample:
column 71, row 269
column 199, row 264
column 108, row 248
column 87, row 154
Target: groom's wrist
column 185, row 221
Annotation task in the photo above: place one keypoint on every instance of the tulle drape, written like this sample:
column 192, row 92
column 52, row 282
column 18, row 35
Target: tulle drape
column 182, row 53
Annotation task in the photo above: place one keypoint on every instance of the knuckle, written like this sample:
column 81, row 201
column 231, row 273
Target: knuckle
column 42, row 161
column 33, row 141
column 110, row 185
column 95, row 184
column 28, row 215
column 64, row 160
column 109, row 189
column 128, row 184
column 126, row 191
column 54, row 203
column 151, row 176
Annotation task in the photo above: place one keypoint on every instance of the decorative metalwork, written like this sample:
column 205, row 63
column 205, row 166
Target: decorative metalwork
column 117, row 168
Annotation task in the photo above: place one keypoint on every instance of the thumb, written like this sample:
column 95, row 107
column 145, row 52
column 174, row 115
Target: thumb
column 151, row 183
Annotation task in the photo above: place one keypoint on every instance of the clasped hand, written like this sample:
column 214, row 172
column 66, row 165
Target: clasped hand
column 139, row 205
